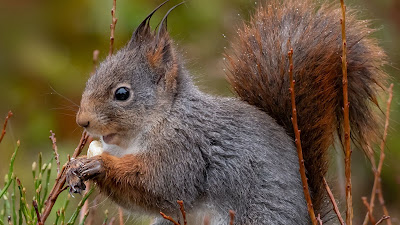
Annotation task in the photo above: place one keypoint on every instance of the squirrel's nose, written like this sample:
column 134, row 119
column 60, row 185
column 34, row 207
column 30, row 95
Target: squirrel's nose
column 82, row 120
column 83, row 123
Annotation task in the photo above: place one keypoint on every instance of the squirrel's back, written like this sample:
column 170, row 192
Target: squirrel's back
column 258, row 72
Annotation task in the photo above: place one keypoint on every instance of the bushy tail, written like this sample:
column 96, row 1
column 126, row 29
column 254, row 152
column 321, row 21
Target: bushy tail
column 258, row 72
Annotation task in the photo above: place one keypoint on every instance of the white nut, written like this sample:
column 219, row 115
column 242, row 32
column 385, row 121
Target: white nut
column 95, row 148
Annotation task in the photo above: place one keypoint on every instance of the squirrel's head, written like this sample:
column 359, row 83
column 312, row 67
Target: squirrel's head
column 132, row 88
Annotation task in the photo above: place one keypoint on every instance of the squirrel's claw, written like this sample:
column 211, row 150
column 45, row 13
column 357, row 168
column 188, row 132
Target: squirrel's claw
column 80, row 170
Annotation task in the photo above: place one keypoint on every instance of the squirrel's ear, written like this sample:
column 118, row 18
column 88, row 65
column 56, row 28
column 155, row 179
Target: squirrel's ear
column 163, row 58
column 163, row 61
column 143, row 31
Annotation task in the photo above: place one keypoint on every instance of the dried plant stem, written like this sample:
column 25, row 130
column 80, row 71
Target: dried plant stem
column 333, row 201
column 298, row 142
column 35, row 205
column 121, row 216
column 85, row 207
column 377, row 171
column 111, row 221
column 112, row 26
column 387, row 218
column 369, row 213
column 169, row 218
column 206, row 220
column 60, row 180
column 382, row 202
column 95, row 60
column 10, row 114
column 231, row 216
column 346, row 104
column 182, row 211
column 319, row 219
column 56, row 155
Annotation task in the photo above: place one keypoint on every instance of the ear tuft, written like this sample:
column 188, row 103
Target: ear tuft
column 163, row 60
column 143, row 31
column 162, row 29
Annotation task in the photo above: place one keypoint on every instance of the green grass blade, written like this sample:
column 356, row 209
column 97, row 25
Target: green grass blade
column 80, row 205
column 10, row 171
column 14, row 208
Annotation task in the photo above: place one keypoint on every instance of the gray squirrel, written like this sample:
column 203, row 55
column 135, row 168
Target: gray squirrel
column 165, row 140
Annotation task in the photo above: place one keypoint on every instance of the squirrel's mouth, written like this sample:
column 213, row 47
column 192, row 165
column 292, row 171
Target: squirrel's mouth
column 109, row 138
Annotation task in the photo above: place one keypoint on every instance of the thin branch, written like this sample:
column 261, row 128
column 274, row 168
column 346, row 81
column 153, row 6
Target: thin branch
column 346, row 104
column 298, row 141
column 319, row 219
column 111, row 221
column 206, row 220
column 35, row 205
column 232, row 217
column 333, row 201
column 121, row 216
column 112, row 26
column 61, row 179
column 182, row 211
column 382, row 202
column 169, row 218
column 369, row 212
column 85, row 207
column 55, row 149
column 382, row 219
column 9, row 115
column 378, row 171
column 95, row 60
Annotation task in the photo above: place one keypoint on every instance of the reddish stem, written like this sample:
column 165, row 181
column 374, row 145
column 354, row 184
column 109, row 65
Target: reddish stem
column 61, row 179
column 112, row 26
column 333, row 201
column 9, row 115
column 298, row 141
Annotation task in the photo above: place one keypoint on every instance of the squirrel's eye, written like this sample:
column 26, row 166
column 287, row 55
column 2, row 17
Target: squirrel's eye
column 122, row 94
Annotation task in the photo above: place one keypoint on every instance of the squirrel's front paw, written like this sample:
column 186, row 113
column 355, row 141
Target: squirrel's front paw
column 82, row 169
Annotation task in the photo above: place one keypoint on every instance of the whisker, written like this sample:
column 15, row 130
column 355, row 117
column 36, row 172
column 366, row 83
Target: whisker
column 64, row 108
column 66, row 114
column 69, row 100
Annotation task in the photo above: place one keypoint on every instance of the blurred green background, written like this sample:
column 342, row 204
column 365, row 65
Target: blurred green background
column 46, row 57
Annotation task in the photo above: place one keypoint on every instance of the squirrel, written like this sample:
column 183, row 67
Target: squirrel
column 165, row 140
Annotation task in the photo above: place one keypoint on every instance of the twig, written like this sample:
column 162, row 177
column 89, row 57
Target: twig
column 80, row 205
column 206, row 220
column 378, row 171
column 382, row 219
column 319, row 219
column 182, row 211
column 92, row 214
column 56, row 155
column 232, row 217
column 382, row 202
column 169, row 218
column 85, row 207
column 35, row 205
column 333, row 201
column 111, row 221
column 121, row 216
column 95, row 60
column 369, row 212
column 10, row 114
column 349, row 198
column 9, row 220
column 298, row 141
column 112, row 27
column 60, row 180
